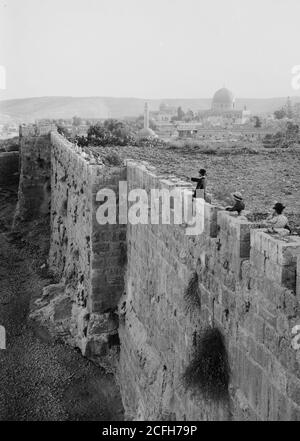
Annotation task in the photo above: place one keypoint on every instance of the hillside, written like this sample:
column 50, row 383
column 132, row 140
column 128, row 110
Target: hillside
column 29, row 109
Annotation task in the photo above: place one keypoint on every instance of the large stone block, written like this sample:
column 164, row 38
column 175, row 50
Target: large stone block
column 275, row 257
column 278, row 249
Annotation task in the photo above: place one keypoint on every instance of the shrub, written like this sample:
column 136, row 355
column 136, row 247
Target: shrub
column 82, row 141
column 113, row 159
column 192, row 294
column 110, row 133
column 209, row 372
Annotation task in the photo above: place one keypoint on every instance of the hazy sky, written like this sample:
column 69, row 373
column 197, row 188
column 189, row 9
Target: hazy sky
column 149, row 48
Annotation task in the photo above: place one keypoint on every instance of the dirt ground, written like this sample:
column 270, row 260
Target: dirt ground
column 41, row 380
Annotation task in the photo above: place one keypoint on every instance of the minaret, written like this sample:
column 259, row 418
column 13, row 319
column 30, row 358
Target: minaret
column 289, row 109
column 146, row 132
column 146, row 117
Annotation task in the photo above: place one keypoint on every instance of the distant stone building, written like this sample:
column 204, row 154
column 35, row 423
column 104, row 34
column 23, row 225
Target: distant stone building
column 164, row 114
column 223, row 100
column 188, row 130
column 146, row 132
column 223, row 111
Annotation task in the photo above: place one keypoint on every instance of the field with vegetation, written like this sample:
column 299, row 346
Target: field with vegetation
column 263, row 176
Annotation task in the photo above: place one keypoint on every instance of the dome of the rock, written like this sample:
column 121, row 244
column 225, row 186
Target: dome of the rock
column 223, row 99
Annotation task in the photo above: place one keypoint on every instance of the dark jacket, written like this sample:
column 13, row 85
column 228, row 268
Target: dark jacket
column 201, row 184
column 238, row 206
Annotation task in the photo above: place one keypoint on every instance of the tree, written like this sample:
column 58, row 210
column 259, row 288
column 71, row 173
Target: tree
column 119, row 132
column 289, row 109
column 280, row 114
column 110, row 133
column 257, row 122
column 268, row 141
column 97, row 135
column 82, row 141
column 189, row 116
column 292, row 132
column 76, row 121
column 180, row 114
column 278, row 139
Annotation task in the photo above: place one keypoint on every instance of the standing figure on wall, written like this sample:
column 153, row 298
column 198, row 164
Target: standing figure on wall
column 201, row 185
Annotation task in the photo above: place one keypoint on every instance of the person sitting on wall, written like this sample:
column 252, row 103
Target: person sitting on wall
column 277, row 219
column 239, row 204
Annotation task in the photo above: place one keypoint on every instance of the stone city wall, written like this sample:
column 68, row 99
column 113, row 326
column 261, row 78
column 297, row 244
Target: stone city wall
column 247, row 289
column 245, row 283
column 86, row 256
column 86, row 259
column 34, row 184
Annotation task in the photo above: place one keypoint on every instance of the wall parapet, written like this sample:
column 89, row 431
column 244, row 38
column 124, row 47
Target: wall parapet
column 275, row 257
column 37, row 129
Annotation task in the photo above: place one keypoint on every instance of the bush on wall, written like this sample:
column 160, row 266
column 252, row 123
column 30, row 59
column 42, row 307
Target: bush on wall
column 209, row 372
column 192, row 294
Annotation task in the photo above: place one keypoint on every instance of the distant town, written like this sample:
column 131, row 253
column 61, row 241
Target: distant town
column 223, row 120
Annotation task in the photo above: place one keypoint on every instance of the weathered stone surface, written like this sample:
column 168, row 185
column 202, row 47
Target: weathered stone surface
column 34, row 184
column 251, row 305
column 88, row 257
column 275, row 257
